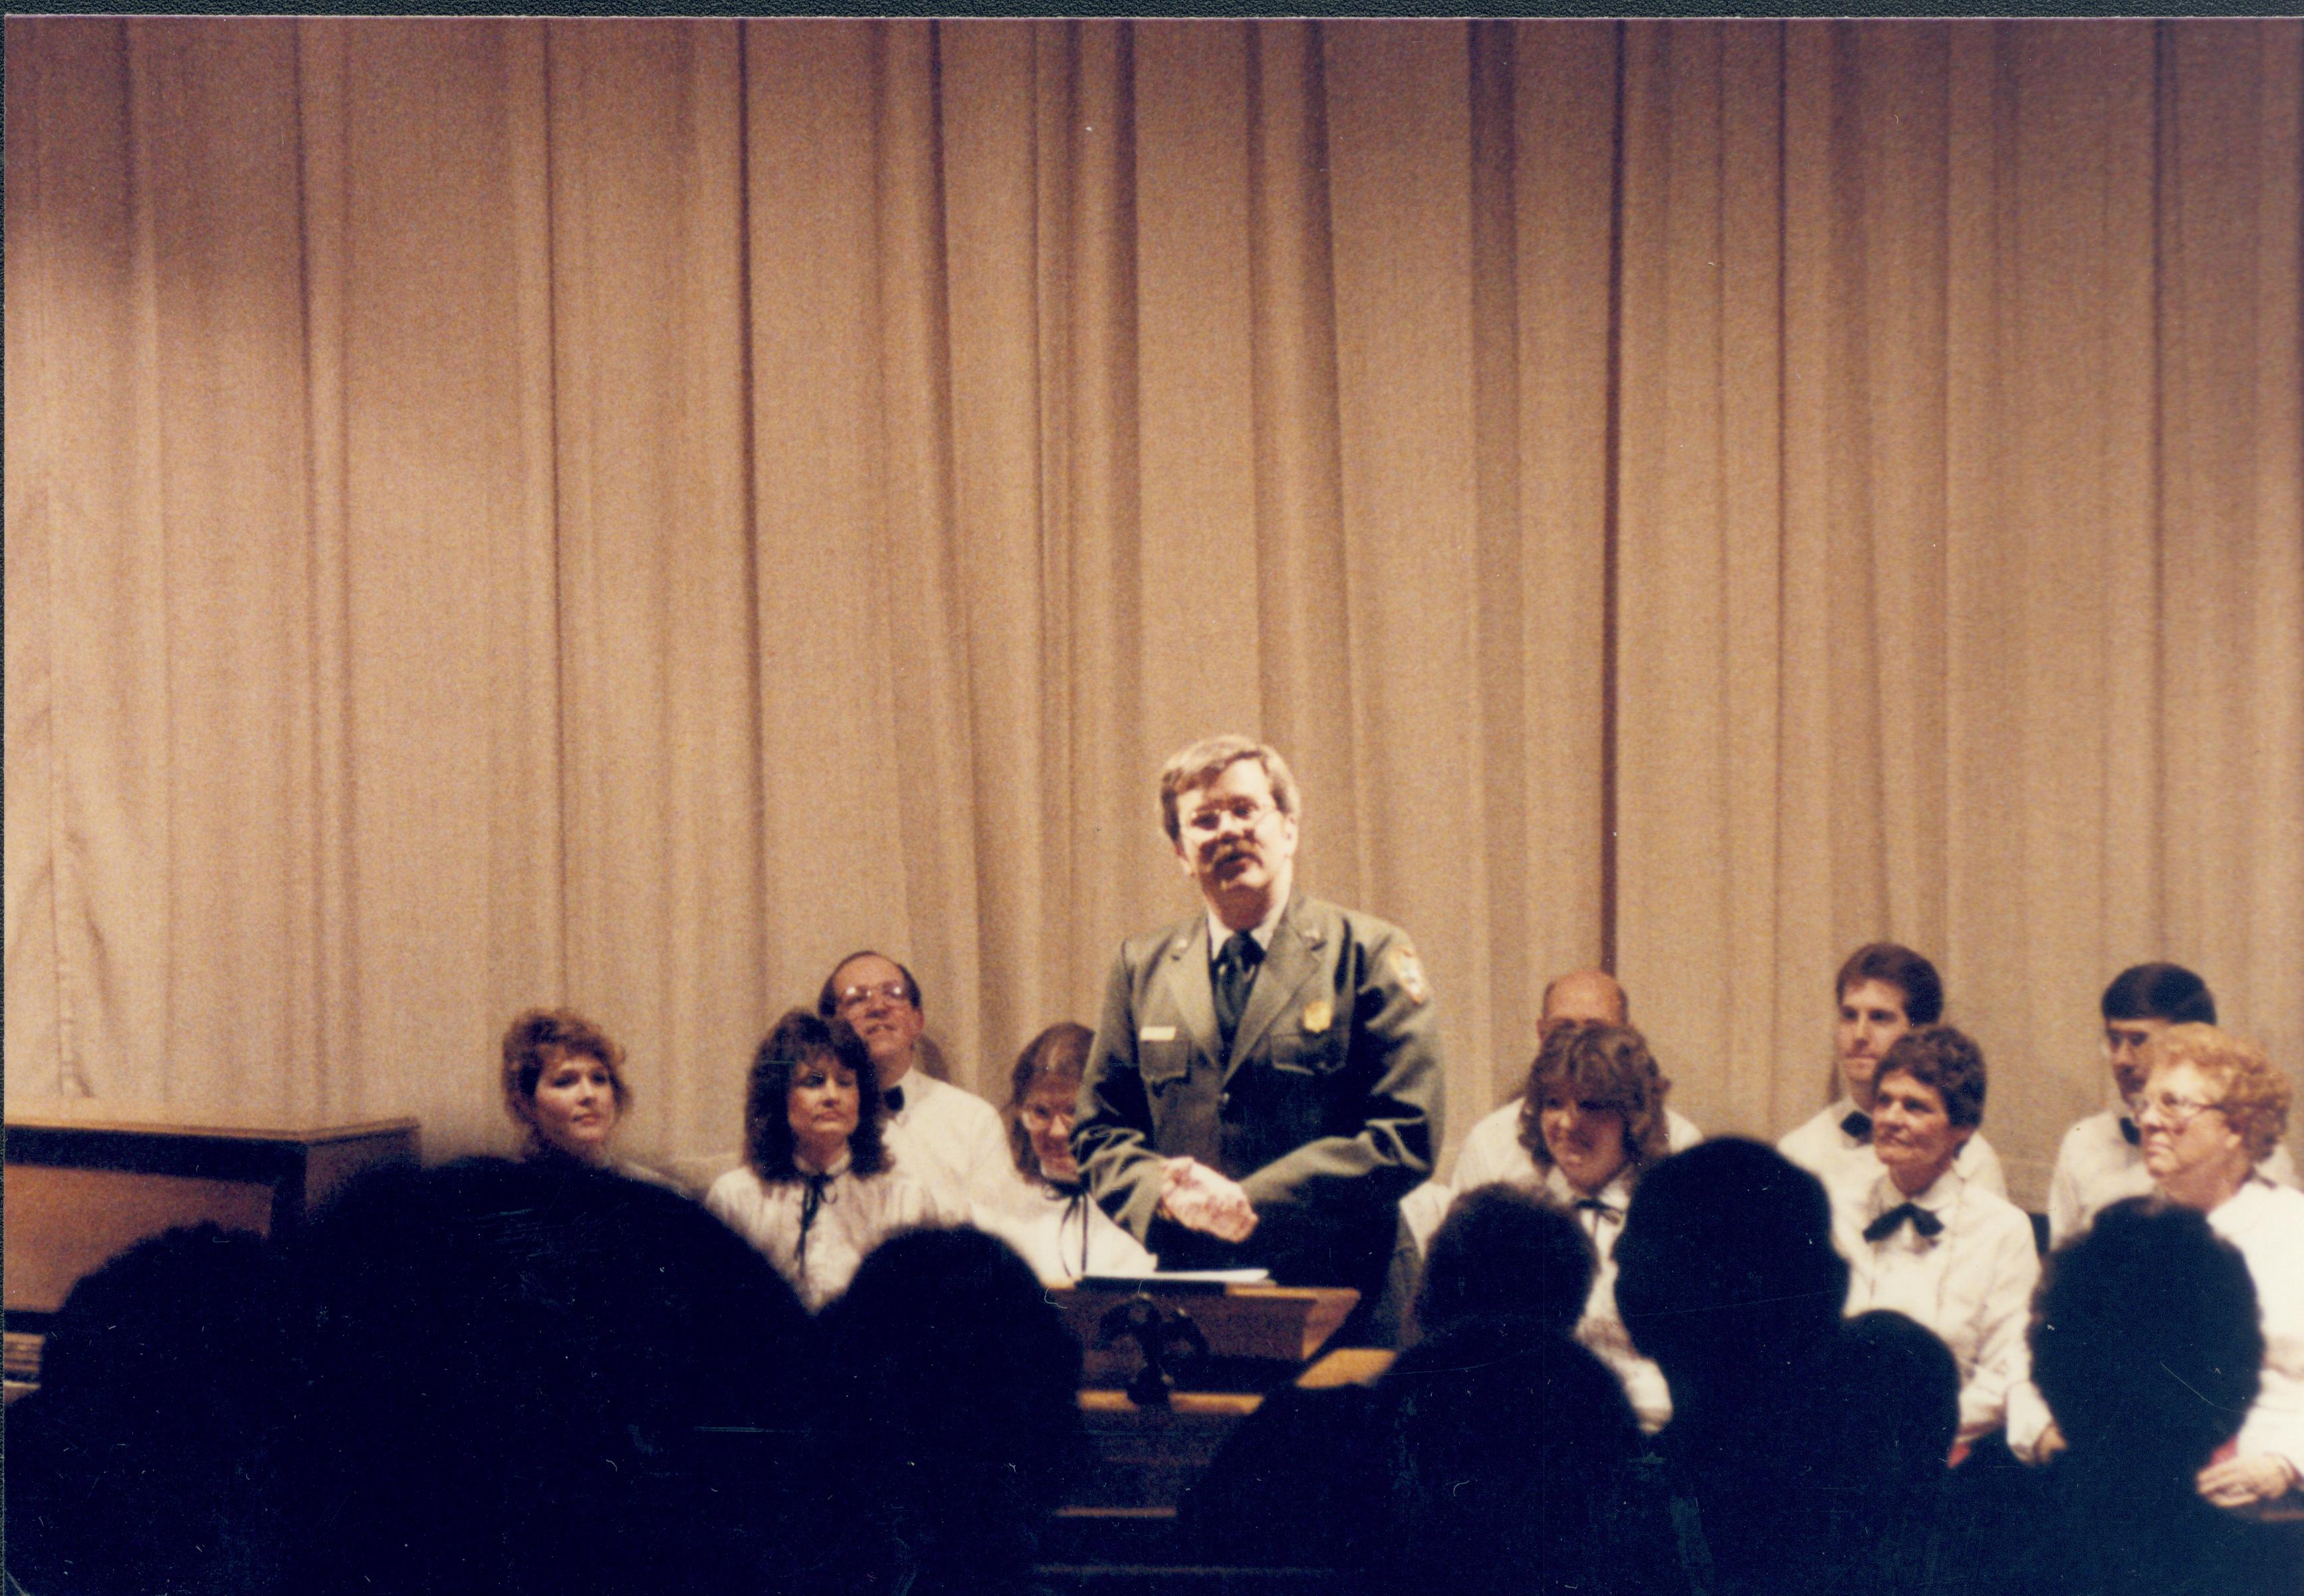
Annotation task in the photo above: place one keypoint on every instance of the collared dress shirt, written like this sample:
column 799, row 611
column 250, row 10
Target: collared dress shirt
column 1602, row 1330
column 854, row 1214
column 2098, row 1165
column 1493, row 1152
column 1971, row 1283
column 1051, row 1227
column 952, row 1144
column 1848, row 1166
column 2265, row 1222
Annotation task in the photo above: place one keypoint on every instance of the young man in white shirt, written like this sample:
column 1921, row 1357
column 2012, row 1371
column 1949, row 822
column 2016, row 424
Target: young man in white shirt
column 946, row 1138
column 2101, row 1159
column 1883, row 989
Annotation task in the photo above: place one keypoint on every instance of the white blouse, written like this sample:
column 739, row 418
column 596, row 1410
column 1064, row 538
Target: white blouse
column 1970, row 1283
column 1602, row 1328
column 817, row 1246
column 2267, row 1222
column 1064, row 1236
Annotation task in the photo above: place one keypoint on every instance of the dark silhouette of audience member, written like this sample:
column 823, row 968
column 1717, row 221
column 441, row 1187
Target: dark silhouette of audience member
column 1882, row 1463
column 146, row 1461
column 2145, row 1345
column 1502, row 1250
column 1513, row 1458
column 959, row 1387
column 1494, row 1449
column 542, row 1377
column 1727, row 1277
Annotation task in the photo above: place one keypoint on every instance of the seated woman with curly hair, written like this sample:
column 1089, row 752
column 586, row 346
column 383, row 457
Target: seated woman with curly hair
column 2213, row 1108
column 563, row 1085
column 1931, row 1239
column 1594, row 1120
column 817, row 1190
column 1054, row 1222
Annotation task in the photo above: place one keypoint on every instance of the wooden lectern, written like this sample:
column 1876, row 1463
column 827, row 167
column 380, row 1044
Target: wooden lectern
column 1223, row 1345
column 1221, row 1335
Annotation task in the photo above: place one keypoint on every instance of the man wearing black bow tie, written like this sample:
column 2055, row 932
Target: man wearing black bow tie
column 944, row 1136
column 1265, row 1079
column 1883, row 989
column 2099, row 1162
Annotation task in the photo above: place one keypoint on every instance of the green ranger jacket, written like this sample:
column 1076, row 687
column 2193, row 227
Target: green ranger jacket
column 1328, row 1112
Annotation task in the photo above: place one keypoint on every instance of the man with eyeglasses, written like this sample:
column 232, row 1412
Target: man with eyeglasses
column 948, row 1139
column 1266, row 1081
column 2101, row 1159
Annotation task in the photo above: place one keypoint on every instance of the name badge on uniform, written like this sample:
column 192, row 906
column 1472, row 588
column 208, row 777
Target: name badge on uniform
column 1318, row 1015
column 1156, row 1033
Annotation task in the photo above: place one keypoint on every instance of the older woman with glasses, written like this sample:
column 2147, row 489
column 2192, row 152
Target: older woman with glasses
column 1052, row 1222
column 2212, row 1109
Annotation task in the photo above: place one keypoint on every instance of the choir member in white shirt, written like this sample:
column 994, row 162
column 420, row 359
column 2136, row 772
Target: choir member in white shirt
column 1883, row 989
column 1492, row 1152
column 817, row 1189
column 944, row 1136
column 1492, row 1149
column 1060, row 1231
column 2102, row 1160
column 1927, row 1240
column 1594, row 1120
column 2213, row 1107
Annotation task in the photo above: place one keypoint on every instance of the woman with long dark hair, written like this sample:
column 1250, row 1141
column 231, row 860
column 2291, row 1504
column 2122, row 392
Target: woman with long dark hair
column 817, row 1189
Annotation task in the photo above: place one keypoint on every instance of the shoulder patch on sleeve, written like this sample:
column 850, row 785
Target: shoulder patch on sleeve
column 1409, row 971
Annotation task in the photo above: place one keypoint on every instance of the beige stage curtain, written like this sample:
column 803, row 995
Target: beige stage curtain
column 624, row 512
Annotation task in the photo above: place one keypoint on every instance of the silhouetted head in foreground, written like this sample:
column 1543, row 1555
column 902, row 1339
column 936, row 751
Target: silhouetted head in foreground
column 961, row 1384
column 540, row 1378
column 1726, row 1276
column 146, row 1459
column 2145, row 1341
column 1504, row 1251
column 1725, row 1272
column 1510, row 1451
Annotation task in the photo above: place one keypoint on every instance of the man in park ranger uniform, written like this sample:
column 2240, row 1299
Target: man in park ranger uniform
column 1266, row 1082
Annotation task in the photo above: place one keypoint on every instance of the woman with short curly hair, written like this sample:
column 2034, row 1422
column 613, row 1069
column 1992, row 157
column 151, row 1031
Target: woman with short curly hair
column 1927, row 1237
column 563, row 1085
column 2212, row 1109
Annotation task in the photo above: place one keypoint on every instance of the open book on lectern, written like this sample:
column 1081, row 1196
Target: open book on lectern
column 1190, row 1282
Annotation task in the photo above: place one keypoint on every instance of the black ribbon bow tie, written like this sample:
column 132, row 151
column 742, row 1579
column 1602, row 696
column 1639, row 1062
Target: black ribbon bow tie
column 895, row 1097
column 812, row 1200
column 2127, row 1130
column 1858, row 1124
column 1596, row 1205
column 1928, row 1224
